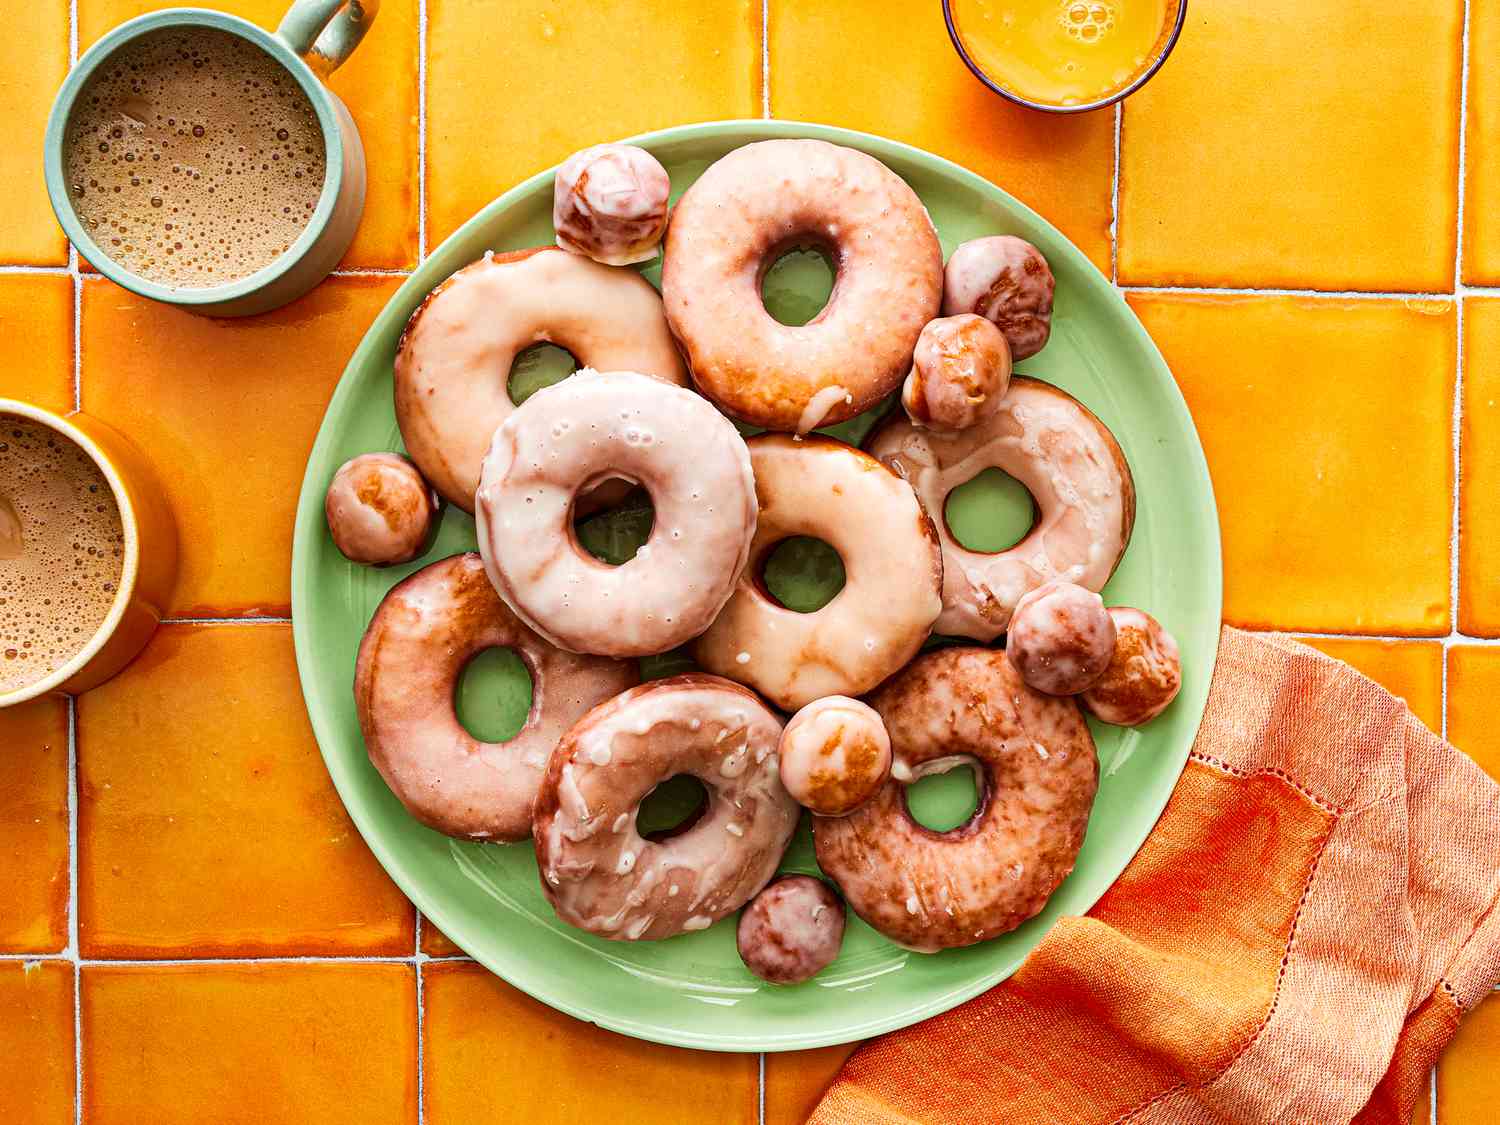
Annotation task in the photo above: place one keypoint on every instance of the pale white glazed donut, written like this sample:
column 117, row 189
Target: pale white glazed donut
column 597, row 870
column 835, row 754
column 959, row 373
column 379, row 510
column 1060, row 638
column 686, row 454
column 1007, row 281
column 1144, row 673
column 453, row 362
column 1037, row 775
column 1076, row 473
column 893, row 572
column 609, row 203
column 423, row 634
column 792, row 930
column 729, row 228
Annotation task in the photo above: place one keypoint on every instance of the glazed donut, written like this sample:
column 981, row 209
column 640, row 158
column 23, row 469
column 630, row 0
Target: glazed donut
column 893, row 577
column 597, row 870
column 1007, row 281
column 1144, row 673
column 1060, row 638
column 379, row 510
column 959, row 373
column 792, row 930
column 835, row 755
column 746, row 210
column 422, row 635
column 454, row 358
column 686, row 454
column 1077, row 476
column 1036, row 772
column 609, row 203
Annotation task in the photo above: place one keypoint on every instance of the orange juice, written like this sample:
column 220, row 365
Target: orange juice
column 1063, row 52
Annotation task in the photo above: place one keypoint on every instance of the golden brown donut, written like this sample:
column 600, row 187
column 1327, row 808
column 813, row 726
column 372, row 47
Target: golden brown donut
column 747, row 209
column 1037, row 774
column 454, row 358
column 1144, row 673
column 423, row 634
column 380, row 511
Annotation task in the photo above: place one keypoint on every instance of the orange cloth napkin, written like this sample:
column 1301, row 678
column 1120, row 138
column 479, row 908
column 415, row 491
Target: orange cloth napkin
column 1296, row 941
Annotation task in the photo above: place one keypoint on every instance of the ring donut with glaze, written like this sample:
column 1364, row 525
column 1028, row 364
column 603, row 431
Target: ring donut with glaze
column 600, row 873
column 568, row 436
column 1076, row 474
column 453, row 362
column 423, row 634
column 1037, row 775
column 893, row 575
column 747, row 209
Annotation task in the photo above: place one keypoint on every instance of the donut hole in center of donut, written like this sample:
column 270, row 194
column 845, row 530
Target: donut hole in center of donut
column 796, row 284
column 946, row 795
column 990, row 513
column 802, row 574
column 672, row 808
column 536, row 367
column 612, row 519
column 493, row 695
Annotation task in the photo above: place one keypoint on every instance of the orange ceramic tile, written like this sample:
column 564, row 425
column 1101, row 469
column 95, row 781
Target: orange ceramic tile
column 34, row 827
column 795, row 1081
column 1466, row 1082
column 227, row 410
column 1412, row 670
column 207, row 824
column 33, row 61
column 514, row 86
column 378, row 84
column 36, row 1041
column 1294, row 144
column 1328, row 427
column 1479, row 492
column 36, row 339
column 250, row 1044
column 435, row 943
column 888, row 67
column 1482, row 151
column 1473, row 686
column 568, row 1072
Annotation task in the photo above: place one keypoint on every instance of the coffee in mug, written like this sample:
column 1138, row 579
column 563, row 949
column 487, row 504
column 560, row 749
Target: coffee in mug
column 193, row 157
column 62, row 548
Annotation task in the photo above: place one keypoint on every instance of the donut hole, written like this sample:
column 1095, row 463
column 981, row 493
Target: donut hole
column 610, row 529
column 946, row 798
column 672, row 808
column 990, row 513
column 796, row 286
column 802, row 574
column 493, row 695
column 536, row 367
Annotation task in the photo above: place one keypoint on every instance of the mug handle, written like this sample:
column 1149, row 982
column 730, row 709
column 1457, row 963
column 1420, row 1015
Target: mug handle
column 325, row 32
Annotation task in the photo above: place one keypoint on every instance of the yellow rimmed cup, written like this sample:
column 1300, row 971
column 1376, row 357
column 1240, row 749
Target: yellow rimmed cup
column 1064, row 56
column 314, row 38
column 150, row 564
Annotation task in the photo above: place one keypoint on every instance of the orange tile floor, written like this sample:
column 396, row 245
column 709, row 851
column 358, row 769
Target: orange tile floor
column 1303, row 208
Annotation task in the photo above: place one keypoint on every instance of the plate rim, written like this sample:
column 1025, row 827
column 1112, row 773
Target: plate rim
column 310, row 508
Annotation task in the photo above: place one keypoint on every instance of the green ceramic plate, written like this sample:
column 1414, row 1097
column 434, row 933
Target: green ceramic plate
column 692, row 990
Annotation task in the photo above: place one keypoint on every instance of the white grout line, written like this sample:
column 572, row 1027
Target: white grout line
column 1270, row 291
column 760, row 1112
column 419, row 960
column 71, row 953
column 421, row 130
column 226, row 620
column 765, row 58
column 1114, row 202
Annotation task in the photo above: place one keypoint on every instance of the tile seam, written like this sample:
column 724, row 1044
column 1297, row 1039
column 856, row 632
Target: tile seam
column 1114, row 201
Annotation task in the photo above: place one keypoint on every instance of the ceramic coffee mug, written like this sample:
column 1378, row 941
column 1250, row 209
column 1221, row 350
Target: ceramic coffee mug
column 314, row 38
column 150, row 565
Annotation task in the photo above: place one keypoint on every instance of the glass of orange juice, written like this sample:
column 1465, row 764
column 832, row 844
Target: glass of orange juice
column 1064, row 56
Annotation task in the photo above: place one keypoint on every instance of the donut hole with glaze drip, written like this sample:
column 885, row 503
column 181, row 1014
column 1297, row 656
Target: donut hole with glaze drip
column 991, row 512
column 801, row 573
column 492, row 697
column 946, row 794
column 672, row 808
column 796, row 283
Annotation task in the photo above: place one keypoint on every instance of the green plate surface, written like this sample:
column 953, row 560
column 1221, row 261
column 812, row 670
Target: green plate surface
column 692, row 990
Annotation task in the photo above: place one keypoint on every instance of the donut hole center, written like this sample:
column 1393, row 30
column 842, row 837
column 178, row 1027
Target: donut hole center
column 802, row 574
column 990, row 513
column 797, row 284
column 612, row 520
column 946, row 795
column 493, row 695
column 672, row 808
column 536, row 367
